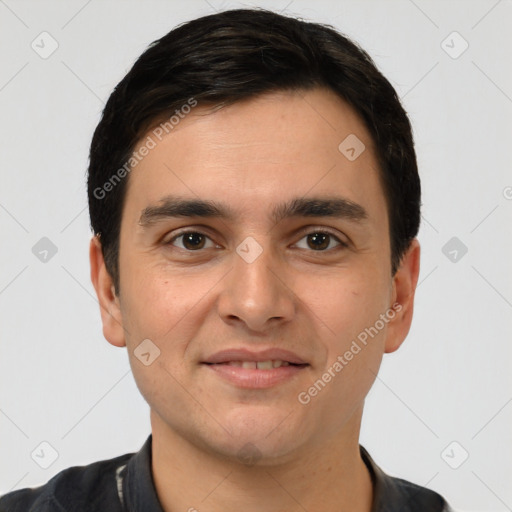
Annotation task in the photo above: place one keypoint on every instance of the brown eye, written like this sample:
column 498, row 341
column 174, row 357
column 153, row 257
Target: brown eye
column 191, row 241
column 318, row 241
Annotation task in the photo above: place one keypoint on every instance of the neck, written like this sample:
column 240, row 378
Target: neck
column 327, row 477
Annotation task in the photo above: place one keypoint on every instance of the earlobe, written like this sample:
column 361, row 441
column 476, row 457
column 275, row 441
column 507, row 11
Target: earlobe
column 404, row 287
column 105, row 291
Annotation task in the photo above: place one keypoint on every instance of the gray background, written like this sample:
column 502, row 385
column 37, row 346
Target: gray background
column 61, row 383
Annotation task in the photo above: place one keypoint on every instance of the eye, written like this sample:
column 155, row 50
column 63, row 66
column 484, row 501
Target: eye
column 320, row 241
column 191, row 241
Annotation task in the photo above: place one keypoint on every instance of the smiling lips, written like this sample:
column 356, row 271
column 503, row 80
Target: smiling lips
column 260, row 365
column 255, row 370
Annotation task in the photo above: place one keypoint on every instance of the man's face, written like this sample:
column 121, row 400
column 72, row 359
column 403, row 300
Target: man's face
column 263, row 277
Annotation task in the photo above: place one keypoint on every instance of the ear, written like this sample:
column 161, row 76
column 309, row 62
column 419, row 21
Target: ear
column 404, row 287
column 109, row 302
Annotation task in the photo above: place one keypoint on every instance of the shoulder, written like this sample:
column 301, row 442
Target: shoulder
column 74, row 489
column 412, row 497
column 392, row 494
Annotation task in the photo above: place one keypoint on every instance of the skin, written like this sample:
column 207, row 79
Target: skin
column 192, row 303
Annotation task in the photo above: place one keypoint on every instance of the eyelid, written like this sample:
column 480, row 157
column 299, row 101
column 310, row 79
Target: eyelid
column 201, row 230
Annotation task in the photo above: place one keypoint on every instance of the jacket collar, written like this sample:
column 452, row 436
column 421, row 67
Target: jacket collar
column 136, row 487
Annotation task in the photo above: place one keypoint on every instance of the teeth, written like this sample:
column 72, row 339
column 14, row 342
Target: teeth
column 264, row 365
column 260, row 365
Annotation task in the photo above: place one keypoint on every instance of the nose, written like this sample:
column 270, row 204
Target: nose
column 256, row 293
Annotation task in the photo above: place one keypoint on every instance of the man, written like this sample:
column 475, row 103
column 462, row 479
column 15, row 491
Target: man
column 254, row 197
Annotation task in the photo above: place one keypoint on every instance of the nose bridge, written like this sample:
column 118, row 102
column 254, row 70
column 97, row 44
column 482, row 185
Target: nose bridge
column 254, row 292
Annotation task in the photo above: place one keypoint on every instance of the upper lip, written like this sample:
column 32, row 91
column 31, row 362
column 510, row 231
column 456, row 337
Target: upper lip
column 240, row 354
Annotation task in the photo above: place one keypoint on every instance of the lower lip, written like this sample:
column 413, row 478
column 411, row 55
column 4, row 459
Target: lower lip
column 253, row 378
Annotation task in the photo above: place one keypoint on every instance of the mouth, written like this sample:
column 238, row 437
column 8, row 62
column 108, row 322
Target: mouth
column 259, row 365
column 251, row 370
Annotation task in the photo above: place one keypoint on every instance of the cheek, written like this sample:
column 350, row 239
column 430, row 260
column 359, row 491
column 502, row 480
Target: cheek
column 344, row 302
column 149, row 309
column 164, row 311
column 346, row 308
column 167, row 306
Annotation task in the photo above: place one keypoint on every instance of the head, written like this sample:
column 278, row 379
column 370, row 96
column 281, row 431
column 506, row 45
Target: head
column 253, row 183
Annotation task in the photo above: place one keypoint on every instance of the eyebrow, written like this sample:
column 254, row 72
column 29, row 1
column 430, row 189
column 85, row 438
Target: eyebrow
column 335, row 207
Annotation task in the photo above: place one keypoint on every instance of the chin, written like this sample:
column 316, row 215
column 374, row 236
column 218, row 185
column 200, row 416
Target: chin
column 259, row 437
column 252, row 450
column 251, row 434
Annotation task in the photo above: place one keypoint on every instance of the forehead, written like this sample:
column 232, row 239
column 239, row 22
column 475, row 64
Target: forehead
column 257, row 153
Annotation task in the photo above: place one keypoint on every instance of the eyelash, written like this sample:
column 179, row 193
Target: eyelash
column 320, row 231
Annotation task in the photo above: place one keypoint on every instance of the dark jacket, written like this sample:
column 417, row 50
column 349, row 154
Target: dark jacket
column 125, row 484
